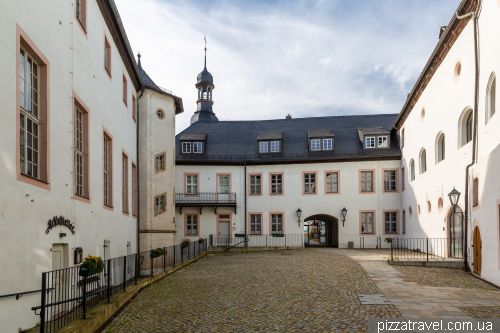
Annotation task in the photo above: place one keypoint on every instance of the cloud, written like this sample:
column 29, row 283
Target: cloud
column 270, row 58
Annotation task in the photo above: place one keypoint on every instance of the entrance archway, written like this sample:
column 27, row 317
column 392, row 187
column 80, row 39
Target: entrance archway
column 321, row 229
column 478, row 244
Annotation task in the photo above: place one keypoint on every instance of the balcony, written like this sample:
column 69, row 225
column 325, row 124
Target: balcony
column 207, row 199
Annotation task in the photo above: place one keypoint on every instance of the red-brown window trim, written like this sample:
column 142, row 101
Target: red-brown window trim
column 78, row 103
column 110, row 169
column 24, row 41
column 125, row 203
column 83, row 22
column 107, row 46
column 125, row 90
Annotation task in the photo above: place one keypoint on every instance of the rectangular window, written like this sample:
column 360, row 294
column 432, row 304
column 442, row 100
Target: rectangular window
column 81, row 13
column 382, row 141
column 366, row 181
column 198, row 147
column 402, row 138
column 332, row 182
column 192, row 184
column 30, row 120
column 404, row 222
column 391, row 222
column 316, row 144
column 475, row 192
column 134, row 108
column 276, row 184
column 160, row 163
column 160, row 202
column 370, row 142
column 255, row 184
column 125, row 89
column 327, row 144
column 309, row 183
column 263, row 147
column 367, row 223
column 402, row 178
column 107, row 56
column 79, row 153
column 276, row 223
column 125, row 183
column 186, row 147
column 390, row 182
column 275, row 146
column 255, row 224
column 107, row 171
column 192, row 225
column 135, row 202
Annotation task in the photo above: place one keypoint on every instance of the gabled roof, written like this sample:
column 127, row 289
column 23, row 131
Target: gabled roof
column 270, row 136
column 234, row 142
column 326, row 133
column 149, row 84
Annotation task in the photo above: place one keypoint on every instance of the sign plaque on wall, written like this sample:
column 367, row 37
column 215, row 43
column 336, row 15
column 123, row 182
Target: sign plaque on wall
column 60, row 221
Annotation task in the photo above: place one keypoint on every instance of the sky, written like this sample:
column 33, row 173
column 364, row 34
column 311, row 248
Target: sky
column 273, row 58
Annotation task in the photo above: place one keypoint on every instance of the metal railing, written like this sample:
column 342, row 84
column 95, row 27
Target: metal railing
column 67, row 296
column 426, row 248
column 264, row 240
column 205, row 198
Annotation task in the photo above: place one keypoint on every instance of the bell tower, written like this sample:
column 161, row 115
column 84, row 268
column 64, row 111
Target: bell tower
column 205, row 86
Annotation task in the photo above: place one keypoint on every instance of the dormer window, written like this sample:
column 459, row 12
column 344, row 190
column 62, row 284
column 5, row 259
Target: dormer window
column 198, row 147
column 370, row 142
column 269, row 142
column 382, row 142
column 320, row 139
column 264, row 147
column 316, row 144
column 275, row 146
column 186, row 147
column 193, row 143
column 327, row 144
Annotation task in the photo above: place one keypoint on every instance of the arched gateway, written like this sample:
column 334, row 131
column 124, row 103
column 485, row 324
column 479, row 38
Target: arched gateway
column 321, row 229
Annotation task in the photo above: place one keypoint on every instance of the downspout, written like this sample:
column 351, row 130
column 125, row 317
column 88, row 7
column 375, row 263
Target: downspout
column 137, row 152
column 474, row 131
column 245, row 188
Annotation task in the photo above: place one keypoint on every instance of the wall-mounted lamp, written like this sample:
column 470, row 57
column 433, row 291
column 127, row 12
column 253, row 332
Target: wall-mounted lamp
column 299, row 214
column 344, row 213
column 454, row 195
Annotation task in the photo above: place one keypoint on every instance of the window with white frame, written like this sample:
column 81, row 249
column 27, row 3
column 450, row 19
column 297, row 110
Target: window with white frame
column 367, row 181
column 390, row 184
column 160, row 203
column 191, row 184
column 30, row 116
column 79, row 153
column 263, row 147
column 367, row 223
column 327, row 144
column 198, row 147
column 192, row 224
column 370, row 142
column 276, row 223
column 382, row 141
column 255, row 185
column 160, row 162
column 316, row 144
column 275, row 146
column 255, row 224
column 186, row 147
column 391, row 222
column 309, row 183
column 332, row 182
column 276, row 184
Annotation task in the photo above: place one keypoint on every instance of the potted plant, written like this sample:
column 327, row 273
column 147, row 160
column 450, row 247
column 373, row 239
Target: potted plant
column 240, row 235
column 157, row 252
column 201, row 240
column 91, row 266
column 388, row 239
column 185, row 243
column 278, row 235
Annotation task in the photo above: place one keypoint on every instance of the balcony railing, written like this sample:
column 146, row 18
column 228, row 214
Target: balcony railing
column 196, row 199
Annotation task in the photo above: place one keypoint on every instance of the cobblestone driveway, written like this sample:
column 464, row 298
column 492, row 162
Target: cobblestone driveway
column 285, row 291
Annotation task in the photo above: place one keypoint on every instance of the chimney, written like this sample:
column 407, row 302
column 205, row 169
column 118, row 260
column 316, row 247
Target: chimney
column 288, row 117
column 441, row 31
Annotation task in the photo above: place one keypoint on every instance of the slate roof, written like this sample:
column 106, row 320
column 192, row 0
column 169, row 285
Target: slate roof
column 236, row 141
column 270, row 136
column 320, row 133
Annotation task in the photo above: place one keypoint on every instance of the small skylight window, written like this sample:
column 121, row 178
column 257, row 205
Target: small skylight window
column 327, row 144
column 263, row 147
column 275, row 146
column 382, row 141
column 316, row 144
column 370, row 142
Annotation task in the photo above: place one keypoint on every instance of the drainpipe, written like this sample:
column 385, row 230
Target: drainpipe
column 245, row 188
column 137, row 152
column 474, row 16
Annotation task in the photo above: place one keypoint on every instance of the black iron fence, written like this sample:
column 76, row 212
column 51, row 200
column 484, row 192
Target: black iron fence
column 67, row 296
column 426, row 248
column 205, row 198
column 265, row 240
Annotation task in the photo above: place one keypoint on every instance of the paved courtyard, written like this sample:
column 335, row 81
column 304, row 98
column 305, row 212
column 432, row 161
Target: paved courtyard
column 284, row 291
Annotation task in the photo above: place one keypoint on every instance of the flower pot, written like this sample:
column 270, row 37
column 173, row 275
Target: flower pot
column 388, row 240
column 240, row 235
column 183, row 246
column 84, row 271
column 201, row 242
column 153, row 255
column 278, row 235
